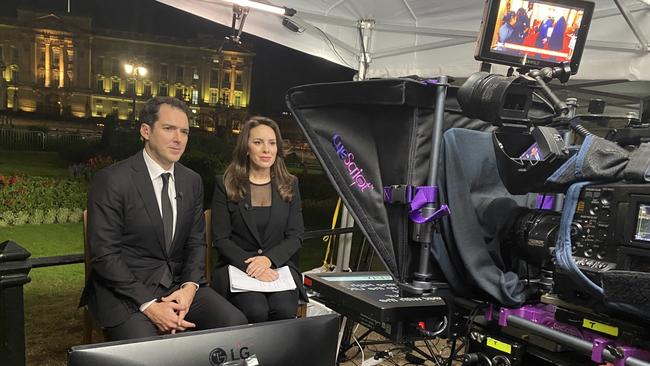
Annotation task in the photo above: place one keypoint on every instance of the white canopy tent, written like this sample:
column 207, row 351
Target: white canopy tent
column 430, row 37
column 438, row 37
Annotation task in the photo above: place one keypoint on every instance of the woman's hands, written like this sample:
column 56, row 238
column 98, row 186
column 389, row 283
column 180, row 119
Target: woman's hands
column 260, row 267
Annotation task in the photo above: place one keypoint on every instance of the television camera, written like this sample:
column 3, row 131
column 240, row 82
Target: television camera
column 447, row 209
column 585, row 249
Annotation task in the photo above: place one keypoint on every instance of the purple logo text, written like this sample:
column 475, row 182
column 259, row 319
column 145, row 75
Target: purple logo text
column 358, row 179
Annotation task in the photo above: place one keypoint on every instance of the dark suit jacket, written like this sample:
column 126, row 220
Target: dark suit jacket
column 236, row 237
column 126, row 239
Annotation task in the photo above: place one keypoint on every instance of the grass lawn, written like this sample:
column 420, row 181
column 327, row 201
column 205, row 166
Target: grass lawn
column 52, row 321
column 33, row 163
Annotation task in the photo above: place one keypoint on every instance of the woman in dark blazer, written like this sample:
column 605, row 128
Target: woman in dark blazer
column 257, row 222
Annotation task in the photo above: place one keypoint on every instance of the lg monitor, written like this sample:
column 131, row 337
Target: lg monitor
column 305, row 341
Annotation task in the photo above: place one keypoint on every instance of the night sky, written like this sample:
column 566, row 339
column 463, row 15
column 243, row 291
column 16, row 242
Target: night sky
column 275, row 68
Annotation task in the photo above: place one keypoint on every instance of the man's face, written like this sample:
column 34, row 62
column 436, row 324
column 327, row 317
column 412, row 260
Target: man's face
column 166, row 140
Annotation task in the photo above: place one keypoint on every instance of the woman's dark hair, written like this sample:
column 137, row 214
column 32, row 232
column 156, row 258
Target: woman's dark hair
column 235, row 178
column 149, row 114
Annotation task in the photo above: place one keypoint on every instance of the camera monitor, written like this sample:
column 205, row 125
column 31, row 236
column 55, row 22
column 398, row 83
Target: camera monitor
column 534, row 34
column 306, row 341
column 642, row 232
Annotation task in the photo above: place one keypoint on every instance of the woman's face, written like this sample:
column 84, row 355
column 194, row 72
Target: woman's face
column 262, row 147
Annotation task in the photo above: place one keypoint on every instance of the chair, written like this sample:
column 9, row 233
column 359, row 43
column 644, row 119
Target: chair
column 207, row 215
column 209, row 260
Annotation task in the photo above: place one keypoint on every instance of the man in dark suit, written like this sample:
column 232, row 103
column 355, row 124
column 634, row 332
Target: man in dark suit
column 146, row 237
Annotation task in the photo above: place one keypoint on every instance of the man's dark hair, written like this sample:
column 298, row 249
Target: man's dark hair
column 149, row 114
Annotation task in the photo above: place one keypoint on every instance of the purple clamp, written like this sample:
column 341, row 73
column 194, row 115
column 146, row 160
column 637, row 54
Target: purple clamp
column 540, row 314
column 423, row 196
column 597, row 349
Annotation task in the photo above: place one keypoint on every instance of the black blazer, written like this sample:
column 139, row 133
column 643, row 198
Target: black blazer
column 126, row 239
column 236, row 237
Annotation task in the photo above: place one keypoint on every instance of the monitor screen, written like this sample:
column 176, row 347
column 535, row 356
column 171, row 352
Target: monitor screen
column 534, row 34
column 304, row 341
column 643, row 223
column 532, row 153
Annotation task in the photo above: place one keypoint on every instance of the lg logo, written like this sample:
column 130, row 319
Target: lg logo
column 219, row 356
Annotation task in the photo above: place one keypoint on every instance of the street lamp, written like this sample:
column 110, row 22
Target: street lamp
column 135, row 70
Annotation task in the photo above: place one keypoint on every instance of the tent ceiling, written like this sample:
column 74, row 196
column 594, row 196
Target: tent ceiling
column 433, row 37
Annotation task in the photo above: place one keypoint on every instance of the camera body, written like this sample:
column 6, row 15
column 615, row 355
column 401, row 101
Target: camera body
column 610, row 232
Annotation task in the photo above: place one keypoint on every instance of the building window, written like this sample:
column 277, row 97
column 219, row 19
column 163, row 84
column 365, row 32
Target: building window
column 99, row 107
column 115, row 87
column 70, row 67
column 195, row 74
column 14, row 54
column 226, row 79
column 41, row 57
column 179, row 74
column 115, row 109
column 40, row 77
column 195, row 97
column 130, row 87
column 1, row 52
column 115, row 67
column 164, row 72
column 56, row 57
column 70, row 75
column 100, row 85
column 214, row 96
column 225, row 96
column 147, row 90
column 214, row 78
column 179, row 93
column 238, row 81
column 163, row 90
column 237, row 101
column 15, row 76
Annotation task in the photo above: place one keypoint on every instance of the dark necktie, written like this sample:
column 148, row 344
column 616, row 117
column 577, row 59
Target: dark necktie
column 167, row 213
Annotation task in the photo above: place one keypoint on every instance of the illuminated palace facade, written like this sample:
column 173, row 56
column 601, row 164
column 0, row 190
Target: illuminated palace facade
column 60, row 65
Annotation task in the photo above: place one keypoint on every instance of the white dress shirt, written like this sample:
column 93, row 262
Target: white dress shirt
column 156, row 172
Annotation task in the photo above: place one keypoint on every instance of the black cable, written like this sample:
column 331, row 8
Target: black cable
column 333, row 48
column 453, row 349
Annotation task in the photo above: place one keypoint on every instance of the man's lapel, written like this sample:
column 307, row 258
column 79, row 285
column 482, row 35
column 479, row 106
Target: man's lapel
column 181, row 203
column 144, row 186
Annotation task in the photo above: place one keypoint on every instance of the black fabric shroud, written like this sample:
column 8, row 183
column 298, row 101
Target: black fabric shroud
column 468, row 249
column 384, row 127
column 368, row 135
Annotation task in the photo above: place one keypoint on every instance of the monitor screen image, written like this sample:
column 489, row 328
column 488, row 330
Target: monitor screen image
column 534, row 34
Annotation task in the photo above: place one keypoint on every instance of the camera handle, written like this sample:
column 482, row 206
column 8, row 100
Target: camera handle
column 546, row 74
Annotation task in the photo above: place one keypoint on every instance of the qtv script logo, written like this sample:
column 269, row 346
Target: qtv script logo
column 354, row 171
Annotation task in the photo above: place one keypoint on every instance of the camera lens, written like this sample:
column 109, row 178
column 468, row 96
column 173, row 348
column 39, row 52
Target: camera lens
column 495, row 98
